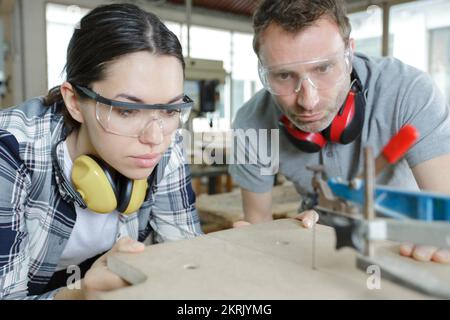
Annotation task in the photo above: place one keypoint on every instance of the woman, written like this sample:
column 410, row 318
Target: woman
column 106, row 142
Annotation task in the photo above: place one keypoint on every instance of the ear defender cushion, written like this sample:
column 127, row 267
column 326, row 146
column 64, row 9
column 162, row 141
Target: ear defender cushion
column 347, row 124
column 131, row 194
column 354, row 129
column 94, row 183
column 305, row 141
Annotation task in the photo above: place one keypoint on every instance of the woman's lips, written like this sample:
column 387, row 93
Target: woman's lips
column 147, row 160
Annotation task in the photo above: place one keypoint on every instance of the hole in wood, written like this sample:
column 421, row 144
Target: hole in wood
column 190, row 266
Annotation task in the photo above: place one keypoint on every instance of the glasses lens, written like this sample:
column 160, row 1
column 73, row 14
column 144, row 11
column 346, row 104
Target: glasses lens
column 323, row 74
column 131, row 122
column 328, row 73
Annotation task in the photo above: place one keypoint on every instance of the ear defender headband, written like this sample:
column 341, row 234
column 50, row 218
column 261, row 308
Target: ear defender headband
column 345, row 127
column 101, row 192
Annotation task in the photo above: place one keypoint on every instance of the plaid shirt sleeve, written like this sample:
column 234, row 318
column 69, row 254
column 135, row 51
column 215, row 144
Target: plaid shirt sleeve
column 174, row 216
column 14, row 239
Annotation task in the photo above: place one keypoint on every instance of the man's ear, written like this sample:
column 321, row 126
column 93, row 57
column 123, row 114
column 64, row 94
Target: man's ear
column 351, row 46
column 351, row 43
column 71, row 101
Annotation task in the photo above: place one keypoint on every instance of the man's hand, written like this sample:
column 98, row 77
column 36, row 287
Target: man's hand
column 240, row 224
column 308, row 218
column 420, row 253
column 425, row 253
column 99, row 278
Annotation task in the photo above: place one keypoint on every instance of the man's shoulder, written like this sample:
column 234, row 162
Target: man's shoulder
column 258, row 112
column 387, row 72
column 390, row 82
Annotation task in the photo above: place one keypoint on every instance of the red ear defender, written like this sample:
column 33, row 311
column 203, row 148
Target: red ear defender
column 345, row 127
column 305, row 141
column 347, row 124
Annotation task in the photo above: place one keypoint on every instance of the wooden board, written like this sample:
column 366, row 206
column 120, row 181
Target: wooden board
column 265, row 261
column 224, row 209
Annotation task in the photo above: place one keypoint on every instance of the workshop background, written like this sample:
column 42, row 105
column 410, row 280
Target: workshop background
column 221, row 67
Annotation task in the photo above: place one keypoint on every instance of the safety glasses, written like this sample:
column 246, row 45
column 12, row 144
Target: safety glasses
column 132, row 119
column 322, row 73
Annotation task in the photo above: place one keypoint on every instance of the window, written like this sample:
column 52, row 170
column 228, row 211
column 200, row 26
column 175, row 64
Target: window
column 208, row 43
column 244, row 71
column 439, row 62
column 419, row 35
column 61, row 21
column 240, row 62
column 421, row 32
column 367, row 30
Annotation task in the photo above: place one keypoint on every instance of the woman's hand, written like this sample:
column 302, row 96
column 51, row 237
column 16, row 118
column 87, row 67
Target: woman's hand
column 99, row 278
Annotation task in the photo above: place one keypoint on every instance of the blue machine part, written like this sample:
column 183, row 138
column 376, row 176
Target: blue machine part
column 396, row 203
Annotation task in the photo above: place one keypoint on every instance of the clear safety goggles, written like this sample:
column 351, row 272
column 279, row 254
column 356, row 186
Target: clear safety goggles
column 132, row 119
column 322, row 73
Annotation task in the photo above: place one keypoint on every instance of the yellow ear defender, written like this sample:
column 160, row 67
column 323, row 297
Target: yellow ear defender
column 103, row 193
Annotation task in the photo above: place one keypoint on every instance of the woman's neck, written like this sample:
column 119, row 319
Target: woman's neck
column 78, row 143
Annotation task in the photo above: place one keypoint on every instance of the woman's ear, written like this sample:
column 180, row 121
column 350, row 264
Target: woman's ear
column 71, row 101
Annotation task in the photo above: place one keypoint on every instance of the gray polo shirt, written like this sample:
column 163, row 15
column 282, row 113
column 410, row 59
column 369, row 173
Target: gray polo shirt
column 396, row 94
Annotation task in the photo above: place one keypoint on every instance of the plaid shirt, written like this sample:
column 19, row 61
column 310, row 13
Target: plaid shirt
column 37, row 202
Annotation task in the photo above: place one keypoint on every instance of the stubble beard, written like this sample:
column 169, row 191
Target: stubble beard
column 322, row 124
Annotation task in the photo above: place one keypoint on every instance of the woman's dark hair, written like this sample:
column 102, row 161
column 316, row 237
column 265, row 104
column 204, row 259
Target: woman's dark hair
column 105, row 34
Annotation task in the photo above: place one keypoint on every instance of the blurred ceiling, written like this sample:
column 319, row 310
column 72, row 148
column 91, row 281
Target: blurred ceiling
column 239, row 7
column 246, row 7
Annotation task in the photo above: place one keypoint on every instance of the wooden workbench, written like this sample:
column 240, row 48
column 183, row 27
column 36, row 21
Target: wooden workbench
column 265, row 261
column 214, row 174
column 218, row 212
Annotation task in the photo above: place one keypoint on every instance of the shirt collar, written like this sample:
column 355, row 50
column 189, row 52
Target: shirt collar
column 65, row 187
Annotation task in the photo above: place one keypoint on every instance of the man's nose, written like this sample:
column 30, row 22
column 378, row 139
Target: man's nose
column 153, row 132
column 307, row 95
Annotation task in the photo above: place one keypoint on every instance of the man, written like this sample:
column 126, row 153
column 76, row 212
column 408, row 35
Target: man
column 309, row 71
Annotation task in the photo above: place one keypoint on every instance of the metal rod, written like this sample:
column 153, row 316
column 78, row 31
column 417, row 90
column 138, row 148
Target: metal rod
column 314, row 247
column 188, row 22
column 385, row 38
column 369, row 188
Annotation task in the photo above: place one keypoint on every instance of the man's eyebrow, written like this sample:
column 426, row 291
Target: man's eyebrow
column 138, row 100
